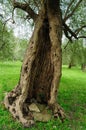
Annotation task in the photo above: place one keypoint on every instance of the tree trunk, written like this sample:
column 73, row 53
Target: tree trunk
column 83, row 66
column 70, row 65
column 41, row 69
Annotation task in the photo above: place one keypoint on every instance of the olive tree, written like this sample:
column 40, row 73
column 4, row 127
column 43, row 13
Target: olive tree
column 41, row 70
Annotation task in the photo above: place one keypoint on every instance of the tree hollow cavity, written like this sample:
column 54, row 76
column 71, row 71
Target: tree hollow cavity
column 42, row 68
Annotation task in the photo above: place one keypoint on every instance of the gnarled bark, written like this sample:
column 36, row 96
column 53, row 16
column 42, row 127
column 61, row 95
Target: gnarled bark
column 41, row 69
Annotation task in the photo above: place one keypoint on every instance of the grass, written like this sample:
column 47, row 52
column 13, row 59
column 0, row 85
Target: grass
column 72, row 97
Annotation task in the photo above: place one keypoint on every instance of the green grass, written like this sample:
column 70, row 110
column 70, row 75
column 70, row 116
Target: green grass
column 72, row 97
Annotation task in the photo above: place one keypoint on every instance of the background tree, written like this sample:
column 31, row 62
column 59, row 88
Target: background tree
column 73, row 53
column 20, row 47
column 83, row 59
column 11, row 47
column 41, row 69
column 6, row 44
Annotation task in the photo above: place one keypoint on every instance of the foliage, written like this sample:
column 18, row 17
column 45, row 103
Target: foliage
column 74, row 53
column 11, row 48
column 6, row 43
column 72, row 96
column 83, row 55
column 21, row 18
column 79, row 18
column 20, row 47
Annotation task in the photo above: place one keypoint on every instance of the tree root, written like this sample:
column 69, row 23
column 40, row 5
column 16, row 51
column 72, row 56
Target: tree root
column 58, row 112
column 16, row 107
column 22, row 113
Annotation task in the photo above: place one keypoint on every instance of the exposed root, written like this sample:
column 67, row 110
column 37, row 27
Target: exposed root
column 58, row 112
column 16, row 107
column 22, row 113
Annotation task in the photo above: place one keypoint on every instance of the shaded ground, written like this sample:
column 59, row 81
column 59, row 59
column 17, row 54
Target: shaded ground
column 72, row 97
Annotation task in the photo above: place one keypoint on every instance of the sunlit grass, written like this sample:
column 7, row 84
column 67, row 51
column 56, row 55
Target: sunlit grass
column 71, row 96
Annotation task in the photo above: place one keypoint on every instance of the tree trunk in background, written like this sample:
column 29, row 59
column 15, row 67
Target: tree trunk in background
column 41, row 69
column 70, row 65
column 83, row 66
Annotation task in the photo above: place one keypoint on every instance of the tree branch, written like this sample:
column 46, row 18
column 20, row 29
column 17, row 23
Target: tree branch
column 69, row 15
column 26, row 8
column 79, row 29
column 37, row 4
column 68, row 30
column 68, row 8
column 66, row 45
column 1, row 15
column 81, row 37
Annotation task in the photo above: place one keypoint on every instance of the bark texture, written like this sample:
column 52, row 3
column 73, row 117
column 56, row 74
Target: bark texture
column 41, row 69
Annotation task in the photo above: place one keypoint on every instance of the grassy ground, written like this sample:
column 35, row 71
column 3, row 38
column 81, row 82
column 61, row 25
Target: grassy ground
column 72, row 97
